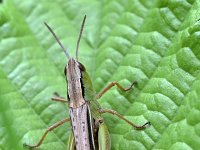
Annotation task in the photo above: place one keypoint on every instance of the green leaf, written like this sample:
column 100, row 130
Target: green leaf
column 153, row 42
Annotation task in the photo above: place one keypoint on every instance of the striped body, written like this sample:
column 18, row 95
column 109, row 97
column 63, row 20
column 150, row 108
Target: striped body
column 81, row 126
column 79, row 111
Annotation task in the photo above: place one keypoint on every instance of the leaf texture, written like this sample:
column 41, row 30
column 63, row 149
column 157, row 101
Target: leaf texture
column 153, row 42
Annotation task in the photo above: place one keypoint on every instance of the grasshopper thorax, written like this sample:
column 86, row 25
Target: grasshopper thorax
column 73, row 72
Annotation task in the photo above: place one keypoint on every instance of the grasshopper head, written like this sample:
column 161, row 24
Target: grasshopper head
column 77, row 65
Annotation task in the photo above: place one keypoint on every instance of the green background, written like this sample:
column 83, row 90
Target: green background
column 154, row 42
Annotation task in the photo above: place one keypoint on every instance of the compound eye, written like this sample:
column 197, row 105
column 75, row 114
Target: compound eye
column 65, row 71
column 81, row 67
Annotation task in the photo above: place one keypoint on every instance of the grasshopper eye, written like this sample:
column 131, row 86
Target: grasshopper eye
column 65, row 71
column 81, row 67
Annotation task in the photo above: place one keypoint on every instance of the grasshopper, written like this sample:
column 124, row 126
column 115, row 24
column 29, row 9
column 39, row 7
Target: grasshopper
column 89, row 132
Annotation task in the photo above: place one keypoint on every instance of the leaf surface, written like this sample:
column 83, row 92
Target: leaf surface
column 153, row 42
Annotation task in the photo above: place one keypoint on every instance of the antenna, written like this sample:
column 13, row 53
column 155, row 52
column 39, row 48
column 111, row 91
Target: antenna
column 79, row 38
column 65, row 51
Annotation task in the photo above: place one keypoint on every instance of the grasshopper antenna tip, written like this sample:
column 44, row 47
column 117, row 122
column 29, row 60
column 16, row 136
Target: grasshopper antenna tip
column 79, row 38
column 65, row 51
